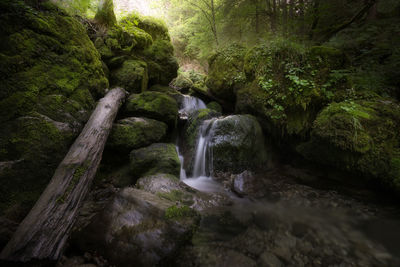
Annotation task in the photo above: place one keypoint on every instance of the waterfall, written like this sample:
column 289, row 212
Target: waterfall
column 203, row 156
column 190, row 104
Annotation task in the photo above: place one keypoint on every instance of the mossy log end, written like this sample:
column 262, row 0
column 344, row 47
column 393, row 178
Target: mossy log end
column 45, row 230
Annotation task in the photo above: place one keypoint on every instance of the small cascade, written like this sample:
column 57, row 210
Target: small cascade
column 190, row 104
column 203, row 156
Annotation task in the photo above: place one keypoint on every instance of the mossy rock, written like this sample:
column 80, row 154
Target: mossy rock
column 148, row 232
column 237, row 144
column 289, row 84
column 182, row 82
column 31, row 148
column 156, row 158
column 359, row 137
column 153, row 26
column 158, row 183
column 163, row 66
column 215, row 106
column 50, row 76
column 154, row 105
column 132, row 76
column 225, row 74
column 132, row 133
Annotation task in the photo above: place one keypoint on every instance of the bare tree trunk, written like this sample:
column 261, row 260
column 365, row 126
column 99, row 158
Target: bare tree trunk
column 44, row 231
column 316, row 15
column 273, row 16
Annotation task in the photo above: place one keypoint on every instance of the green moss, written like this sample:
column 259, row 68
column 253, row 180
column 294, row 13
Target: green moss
column 178, row 213
column 163, row 66
column 156, row 158
column 153, row 105
column 132, row 133
column 225, row 75
column 132, row 76
column 178, row 196
column 358, row 136
column 215, row 106
column 155, row 27
column 289, row 84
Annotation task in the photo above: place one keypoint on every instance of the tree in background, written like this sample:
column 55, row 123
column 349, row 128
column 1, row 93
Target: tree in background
column 105, row 13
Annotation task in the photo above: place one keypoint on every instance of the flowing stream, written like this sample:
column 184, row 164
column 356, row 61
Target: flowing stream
column 201, row 174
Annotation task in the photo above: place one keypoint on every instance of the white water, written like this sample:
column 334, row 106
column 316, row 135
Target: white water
column 201, row 175
column 190, row 104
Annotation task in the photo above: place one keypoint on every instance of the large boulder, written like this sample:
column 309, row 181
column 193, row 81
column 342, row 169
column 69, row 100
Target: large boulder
column 132, row 76
column 236, row 143
column 225, row 74
column 138, row 228
column 156, row 158
column 360, row 137
column 50, row 76
column 132, row 133
column 163, row 66
column 155, row 105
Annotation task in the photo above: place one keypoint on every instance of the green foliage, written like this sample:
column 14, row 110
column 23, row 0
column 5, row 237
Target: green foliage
column 105, row 13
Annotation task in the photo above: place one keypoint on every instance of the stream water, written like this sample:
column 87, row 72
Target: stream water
column 202, row 168
column 289, row 223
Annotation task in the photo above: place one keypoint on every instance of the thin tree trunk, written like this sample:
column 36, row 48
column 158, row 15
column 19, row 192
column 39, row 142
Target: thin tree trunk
column 44, row 231
column 273, row 16
column 284, row 17
column 360, row 14
column 315, row 20
column 214, row 25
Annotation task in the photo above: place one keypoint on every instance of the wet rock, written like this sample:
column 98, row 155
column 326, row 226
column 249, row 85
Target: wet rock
column 215, row 106
column 237, row 144
column 156, row 158
column 154, row 105
column 132, row 133
column 267, row 259
column 159, row 183
column 137, row 229
column 245, row 183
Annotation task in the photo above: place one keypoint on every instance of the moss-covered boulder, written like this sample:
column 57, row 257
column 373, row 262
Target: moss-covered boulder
column 30, row 149
column 163, row 66
column 360, row 137
column 182, row 83
column 155, row 105
column 155, row 230
column 215, row 106
column 132, row 133
column 132, row 76
column 236, row 143
column 50, row 76
column 225, row 74
column 156, row 158
column 153, row 26
column 288, row 84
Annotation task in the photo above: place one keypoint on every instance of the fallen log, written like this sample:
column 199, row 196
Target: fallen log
column 45, row 230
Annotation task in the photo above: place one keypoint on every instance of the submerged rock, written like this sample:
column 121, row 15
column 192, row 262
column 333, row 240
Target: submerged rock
column 156, row 158
column 132, row 133
column 137, row 229
column 154, row 105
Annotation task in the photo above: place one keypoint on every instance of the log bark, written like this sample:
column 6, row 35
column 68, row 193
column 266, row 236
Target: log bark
column 45, row 230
